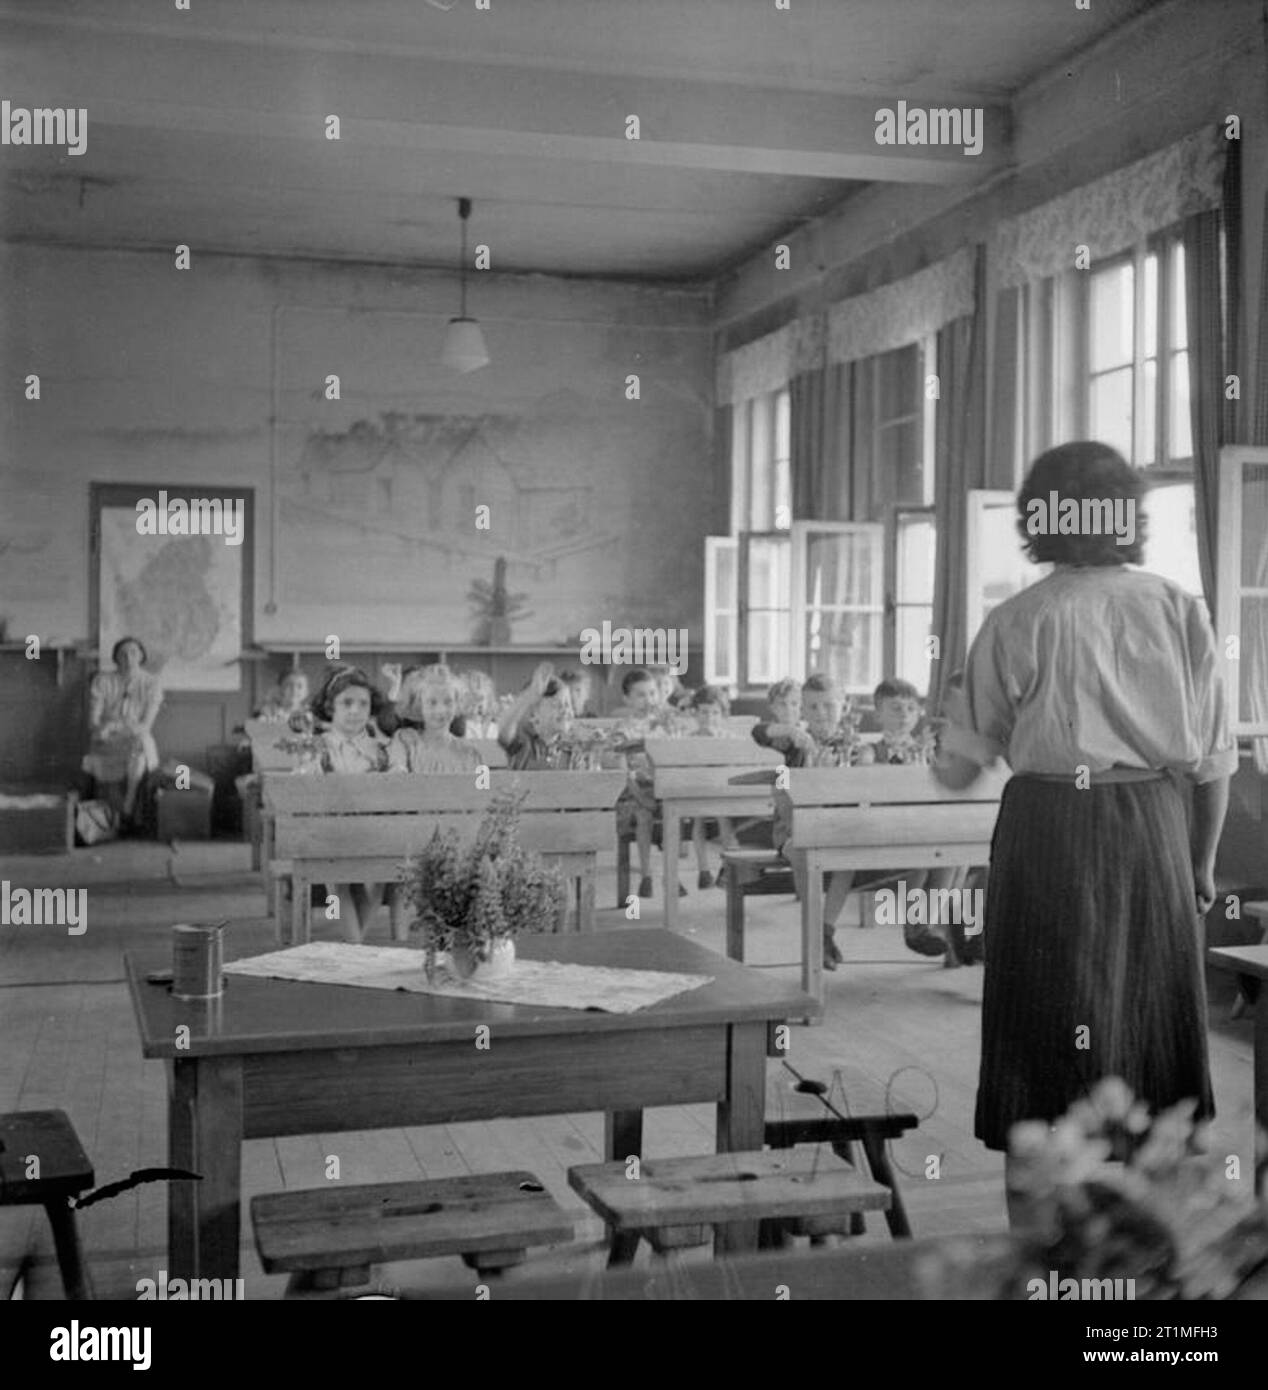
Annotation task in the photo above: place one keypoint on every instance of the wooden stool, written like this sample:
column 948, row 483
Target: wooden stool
column 64, row 1170
column 674, row 1202
column 800, row 1110
column 329, row 1237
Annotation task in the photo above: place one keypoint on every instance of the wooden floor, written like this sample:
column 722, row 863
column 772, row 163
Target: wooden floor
column 68, row 1040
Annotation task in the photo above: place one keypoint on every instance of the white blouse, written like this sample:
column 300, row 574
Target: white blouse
column 1101, row 667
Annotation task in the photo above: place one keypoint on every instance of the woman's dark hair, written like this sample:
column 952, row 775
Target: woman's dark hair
column 1103, row 485
column 336, row 682
column 122, row 642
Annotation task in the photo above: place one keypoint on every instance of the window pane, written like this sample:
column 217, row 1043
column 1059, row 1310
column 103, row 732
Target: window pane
column 1111, row 410
column 1252, row 668
column 845, row 646
column 1149, row 424
column 1172, row 547
column 723, row 656
column 725, row 559
column 1254, row 526
column 999, row 568
column 783, row 424
column 1111, row 316
column 767, row 647
column 838, row 568
column 898, row 383
column 1150, row 348
column 917, row 547
column 911, row 655
column 898, row 471
column 768, row 577
column 1181, row 426
column 761, row 459
column 783, row 495
column 1179, row 310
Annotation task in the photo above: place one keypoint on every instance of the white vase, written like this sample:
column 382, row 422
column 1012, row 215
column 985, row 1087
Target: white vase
column 499, row 965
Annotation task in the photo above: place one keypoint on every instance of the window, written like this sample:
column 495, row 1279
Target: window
column 1242, row 629
column 839, row 602
column 761, row 471
column 915, row 553
column 996, row 566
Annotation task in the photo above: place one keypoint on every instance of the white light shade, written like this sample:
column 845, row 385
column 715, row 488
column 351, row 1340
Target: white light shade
column 464, row 346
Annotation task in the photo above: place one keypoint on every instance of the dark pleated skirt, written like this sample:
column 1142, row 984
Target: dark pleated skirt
column 1093, row 955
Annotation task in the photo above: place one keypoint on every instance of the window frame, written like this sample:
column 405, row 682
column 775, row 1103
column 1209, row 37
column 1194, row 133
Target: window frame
column 1229, row 588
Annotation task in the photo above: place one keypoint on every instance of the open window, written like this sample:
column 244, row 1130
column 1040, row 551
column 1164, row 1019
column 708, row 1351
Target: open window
column 1243, row 586
column 996, row 566
column 722, row 611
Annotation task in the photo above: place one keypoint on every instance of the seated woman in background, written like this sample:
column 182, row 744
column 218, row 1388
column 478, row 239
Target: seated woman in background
column 290, row 698
column 425, row 742
column 123, row 705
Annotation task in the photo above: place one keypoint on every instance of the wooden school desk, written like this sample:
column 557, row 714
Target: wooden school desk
column 692, row 780
column 361, row 827
column 878, row 818
column 275, row 1057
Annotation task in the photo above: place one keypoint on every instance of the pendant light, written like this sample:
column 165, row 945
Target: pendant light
column 464, row 349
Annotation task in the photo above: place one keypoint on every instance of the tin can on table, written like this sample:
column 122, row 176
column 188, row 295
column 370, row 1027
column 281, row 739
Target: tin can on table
column 197, row 961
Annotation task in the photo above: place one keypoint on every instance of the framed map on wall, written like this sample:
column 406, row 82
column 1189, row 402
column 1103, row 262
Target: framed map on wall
column 183, row 595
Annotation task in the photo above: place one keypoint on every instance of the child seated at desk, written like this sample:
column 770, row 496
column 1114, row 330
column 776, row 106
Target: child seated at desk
column 637, row 719
column 425, row 742
column 344, row 707
column 478, row 705
column 290, row 698
column 829, row 739
column 533, row 731
column 710, row 707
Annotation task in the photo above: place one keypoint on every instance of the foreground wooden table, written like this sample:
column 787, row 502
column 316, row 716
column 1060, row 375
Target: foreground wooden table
column 275, row 1057
column 1252, row 961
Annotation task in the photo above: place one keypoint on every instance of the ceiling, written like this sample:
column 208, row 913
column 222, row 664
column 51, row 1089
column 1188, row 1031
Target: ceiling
column 208, row 126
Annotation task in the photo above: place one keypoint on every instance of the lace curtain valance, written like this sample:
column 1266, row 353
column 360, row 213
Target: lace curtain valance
column 768, row 363
column 904, row 312
column 1113, row 213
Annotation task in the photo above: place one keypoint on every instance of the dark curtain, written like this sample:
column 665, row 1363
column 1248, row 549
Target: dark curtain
column 1212, row 309
column 1005, row 385
column 819, row 403
column 960, row 453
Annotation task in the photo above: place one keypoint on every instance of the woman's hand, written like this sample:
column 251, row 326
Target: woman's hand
column 1204, row 887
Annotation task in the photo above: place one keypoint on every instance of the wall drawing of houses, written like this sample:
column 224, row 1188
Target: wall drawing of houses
column 419, row 478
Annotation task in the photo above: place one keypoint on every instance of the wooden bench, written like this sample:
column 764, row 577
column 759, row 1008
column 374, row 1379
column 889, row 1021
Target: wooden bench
column 850, row 1109
column 878, row 818
column 692, row 778
column 328, row 1238
column 674, row 1202
column 360, row 828
column 64, row 1171
column 1250, row 964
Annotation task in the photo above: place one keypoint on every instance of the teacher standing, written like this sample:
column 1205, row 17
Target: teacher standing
column 1100, row 687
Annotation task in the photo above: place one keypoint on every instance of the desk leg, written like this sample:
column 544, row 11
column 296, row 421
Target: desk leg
column 812, row 930
column 204, row 1136
column 670, row 841
column 622, row 1138
column 742, row 1118
column 1260, row 1072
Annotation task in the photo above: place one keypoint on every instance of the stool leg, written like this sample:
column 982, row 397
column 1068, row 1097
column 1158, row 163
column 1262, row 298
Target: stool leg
column 845, row 1150
column 878, row 1162
column 70, row 1256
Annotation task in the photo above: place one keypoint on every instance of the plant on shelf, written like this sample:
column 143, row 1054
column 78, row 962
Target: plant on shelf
column 473, row 900
column 1109, row 1193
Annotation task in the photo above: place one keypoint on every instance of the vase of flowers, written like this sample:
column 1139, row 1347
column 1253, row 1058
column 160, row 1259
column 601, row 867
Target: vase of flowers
column 473, row 900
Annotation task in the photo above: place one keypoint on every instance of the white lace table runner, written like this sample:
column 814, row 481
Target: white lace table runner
column 551, row 984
